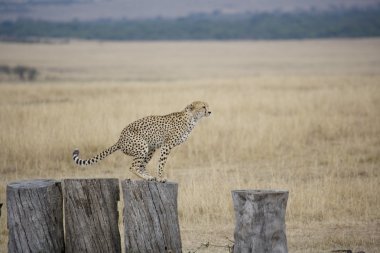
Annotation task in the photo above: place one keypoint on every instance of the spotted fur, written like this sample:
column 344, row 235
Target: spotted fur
column 142, row 138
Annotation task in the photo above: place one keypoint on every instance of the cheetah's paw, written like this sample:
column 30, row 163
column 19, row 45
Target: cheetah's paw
column 161, row 180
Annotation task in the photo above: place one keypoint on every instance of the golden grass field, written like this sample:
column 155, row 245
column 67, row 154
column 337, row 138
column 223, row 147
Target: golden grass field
column 297, row 115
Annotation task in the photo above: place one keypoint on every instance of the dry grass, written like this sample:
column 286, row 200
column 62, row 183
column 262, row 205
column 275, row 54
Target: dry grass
column 316, row 133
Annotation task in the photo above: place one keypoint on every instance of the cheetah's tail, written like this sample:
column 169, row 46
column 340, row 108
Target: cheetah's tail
column 96, row 158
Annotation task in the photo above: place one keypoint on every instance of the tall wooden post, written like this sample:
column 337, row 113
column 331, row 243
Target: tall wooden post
column 91, row 215
column 151, row 217
column 35, row 219
column 260, row 221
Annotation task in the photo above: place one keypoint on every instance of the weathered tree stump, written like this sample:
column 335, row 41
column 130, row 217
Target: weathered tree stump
column 1, row 205
column 91, row 215
column 35, row 216
column 151, row 217
column 260, row 221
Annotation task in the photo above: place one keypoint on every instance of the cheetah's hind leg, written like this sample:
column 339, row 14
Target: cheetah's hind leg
column 139, row 150
column 138, row 167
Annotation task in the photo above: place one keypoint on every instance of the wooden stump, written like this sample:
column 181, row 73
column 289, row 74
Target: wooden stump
column 91, row 215
column 260, row 221
column 151, row 217
column 1, row 205
column 35, row 219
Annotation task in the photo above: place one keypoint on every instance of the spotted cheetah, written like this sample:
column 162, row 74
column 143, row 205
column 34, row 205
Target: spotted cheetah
column 141, row 138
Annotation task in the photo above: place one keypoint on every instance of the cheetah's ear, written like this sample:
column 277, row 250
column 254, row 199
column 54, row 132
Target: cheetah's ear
column 189, row 108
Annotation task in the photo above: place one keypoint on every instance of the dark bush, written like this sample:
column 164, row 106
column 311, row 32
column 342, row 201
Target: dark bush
column 23, row 73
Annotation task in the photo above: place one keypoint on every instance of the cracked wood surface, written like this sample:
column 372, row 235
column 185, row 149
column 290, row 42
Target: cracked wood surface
column 151, row 217
column 35, row 219
column 260, row 221
column 91, row 215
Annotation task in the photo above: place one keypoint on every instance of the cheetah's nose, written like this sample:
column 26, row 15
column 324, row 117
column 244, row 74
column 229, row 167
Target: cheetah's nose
column 209, row 113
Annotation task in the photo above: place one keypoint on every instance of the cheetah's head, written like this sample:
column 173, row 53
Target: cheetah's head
column 198, row 109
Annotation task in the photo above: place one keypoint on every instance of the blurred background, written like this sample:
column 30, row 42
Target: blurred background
column 294, row 87
column 25, row 20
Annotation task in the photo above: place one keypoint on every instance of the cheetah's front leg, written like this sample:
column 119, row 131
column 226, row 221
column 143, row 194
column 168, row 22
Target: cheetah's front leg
column 165, row 150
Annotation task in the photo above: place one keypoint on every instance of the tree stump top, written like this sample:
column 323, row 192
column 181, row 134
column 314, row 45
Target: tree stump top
column 90, row 180
column 36, row 183
column 140, row 181
column 261, row 191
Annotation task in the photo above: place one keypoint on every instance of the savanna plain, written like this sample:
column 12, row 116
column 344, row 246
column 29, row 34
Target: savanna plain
column 296, row 115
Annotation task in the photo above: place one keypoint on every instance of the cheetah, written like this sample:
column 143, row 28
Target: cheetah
column 143, row 137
